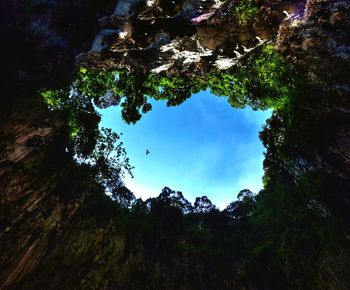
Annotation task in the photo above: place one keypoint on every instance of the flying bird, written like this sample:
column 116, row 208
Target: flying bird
column 147, row 152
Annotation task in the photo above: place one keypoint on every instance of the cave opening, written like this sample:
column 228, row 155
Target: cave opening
column 59, row 229
column 202, row 147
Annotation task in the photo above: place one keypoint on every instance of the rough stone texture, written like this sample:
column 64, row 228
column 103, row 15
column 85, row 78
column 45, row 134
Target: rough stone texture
column 166, row 37
column 319, row 46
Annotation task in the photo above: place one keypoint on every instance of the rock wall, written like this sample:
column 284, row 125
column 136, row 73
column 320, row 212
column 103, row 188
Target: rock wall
column 197, row 36
column 39, row 42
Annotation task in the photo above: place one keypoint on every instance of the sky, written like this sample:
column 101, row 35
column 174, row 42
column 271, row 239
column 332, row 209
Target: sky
column 202, row 147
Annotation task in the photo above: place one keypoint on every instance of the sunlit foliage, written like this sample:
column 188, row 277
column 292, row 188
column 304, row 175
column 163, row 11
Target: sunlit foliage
column 264, row 82
column 109, row 160
column 100, row 149
column 246, row 11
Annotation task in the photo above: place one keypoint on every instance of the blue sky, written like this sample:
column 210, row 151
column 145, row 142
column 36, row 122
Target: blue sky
column 202, row 147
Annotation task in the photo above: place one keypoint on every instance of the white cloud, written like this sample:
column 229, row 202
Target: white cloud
column 141, row 191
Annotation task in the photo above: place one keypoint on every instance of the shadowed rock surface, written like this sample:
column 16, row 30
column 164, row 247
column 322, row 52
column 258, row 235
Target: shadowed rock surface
column 161, row 36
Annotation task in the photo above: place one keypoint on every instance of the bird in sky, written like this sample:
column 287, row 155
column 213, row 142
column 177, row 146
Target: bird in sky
column 147, row 152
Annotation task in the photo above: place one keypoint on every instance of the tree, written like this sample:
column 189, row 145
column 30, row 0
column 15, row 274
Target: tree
column 243, row 207
column 124, row 196
column 175, row 199
column 203, row 205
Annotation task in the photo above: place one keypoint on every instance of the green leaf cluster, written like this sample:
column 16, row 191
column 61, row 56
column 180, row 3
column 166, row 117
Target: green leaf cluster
column 266, row 81
column 245, row 11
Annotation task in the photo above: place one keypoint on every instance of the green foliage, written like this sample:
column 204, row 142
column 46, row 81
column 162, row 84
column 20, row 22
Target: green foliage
column 174, row 89
column 264, row 82
column 93, row 84
column 276, row 78
column 100, row 149
column 52, row 99
column 110, row 161
column 290, row 234
column 245, row 11
column 230, row 85
column 131, row 90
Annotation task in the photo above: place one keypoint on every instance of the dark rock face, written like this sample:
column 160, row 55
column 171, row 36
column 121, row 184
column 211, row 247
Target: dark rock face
column 40, row 41
column 319, row 46
column 182, row 35
column 48, row 228
column 33, row 213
